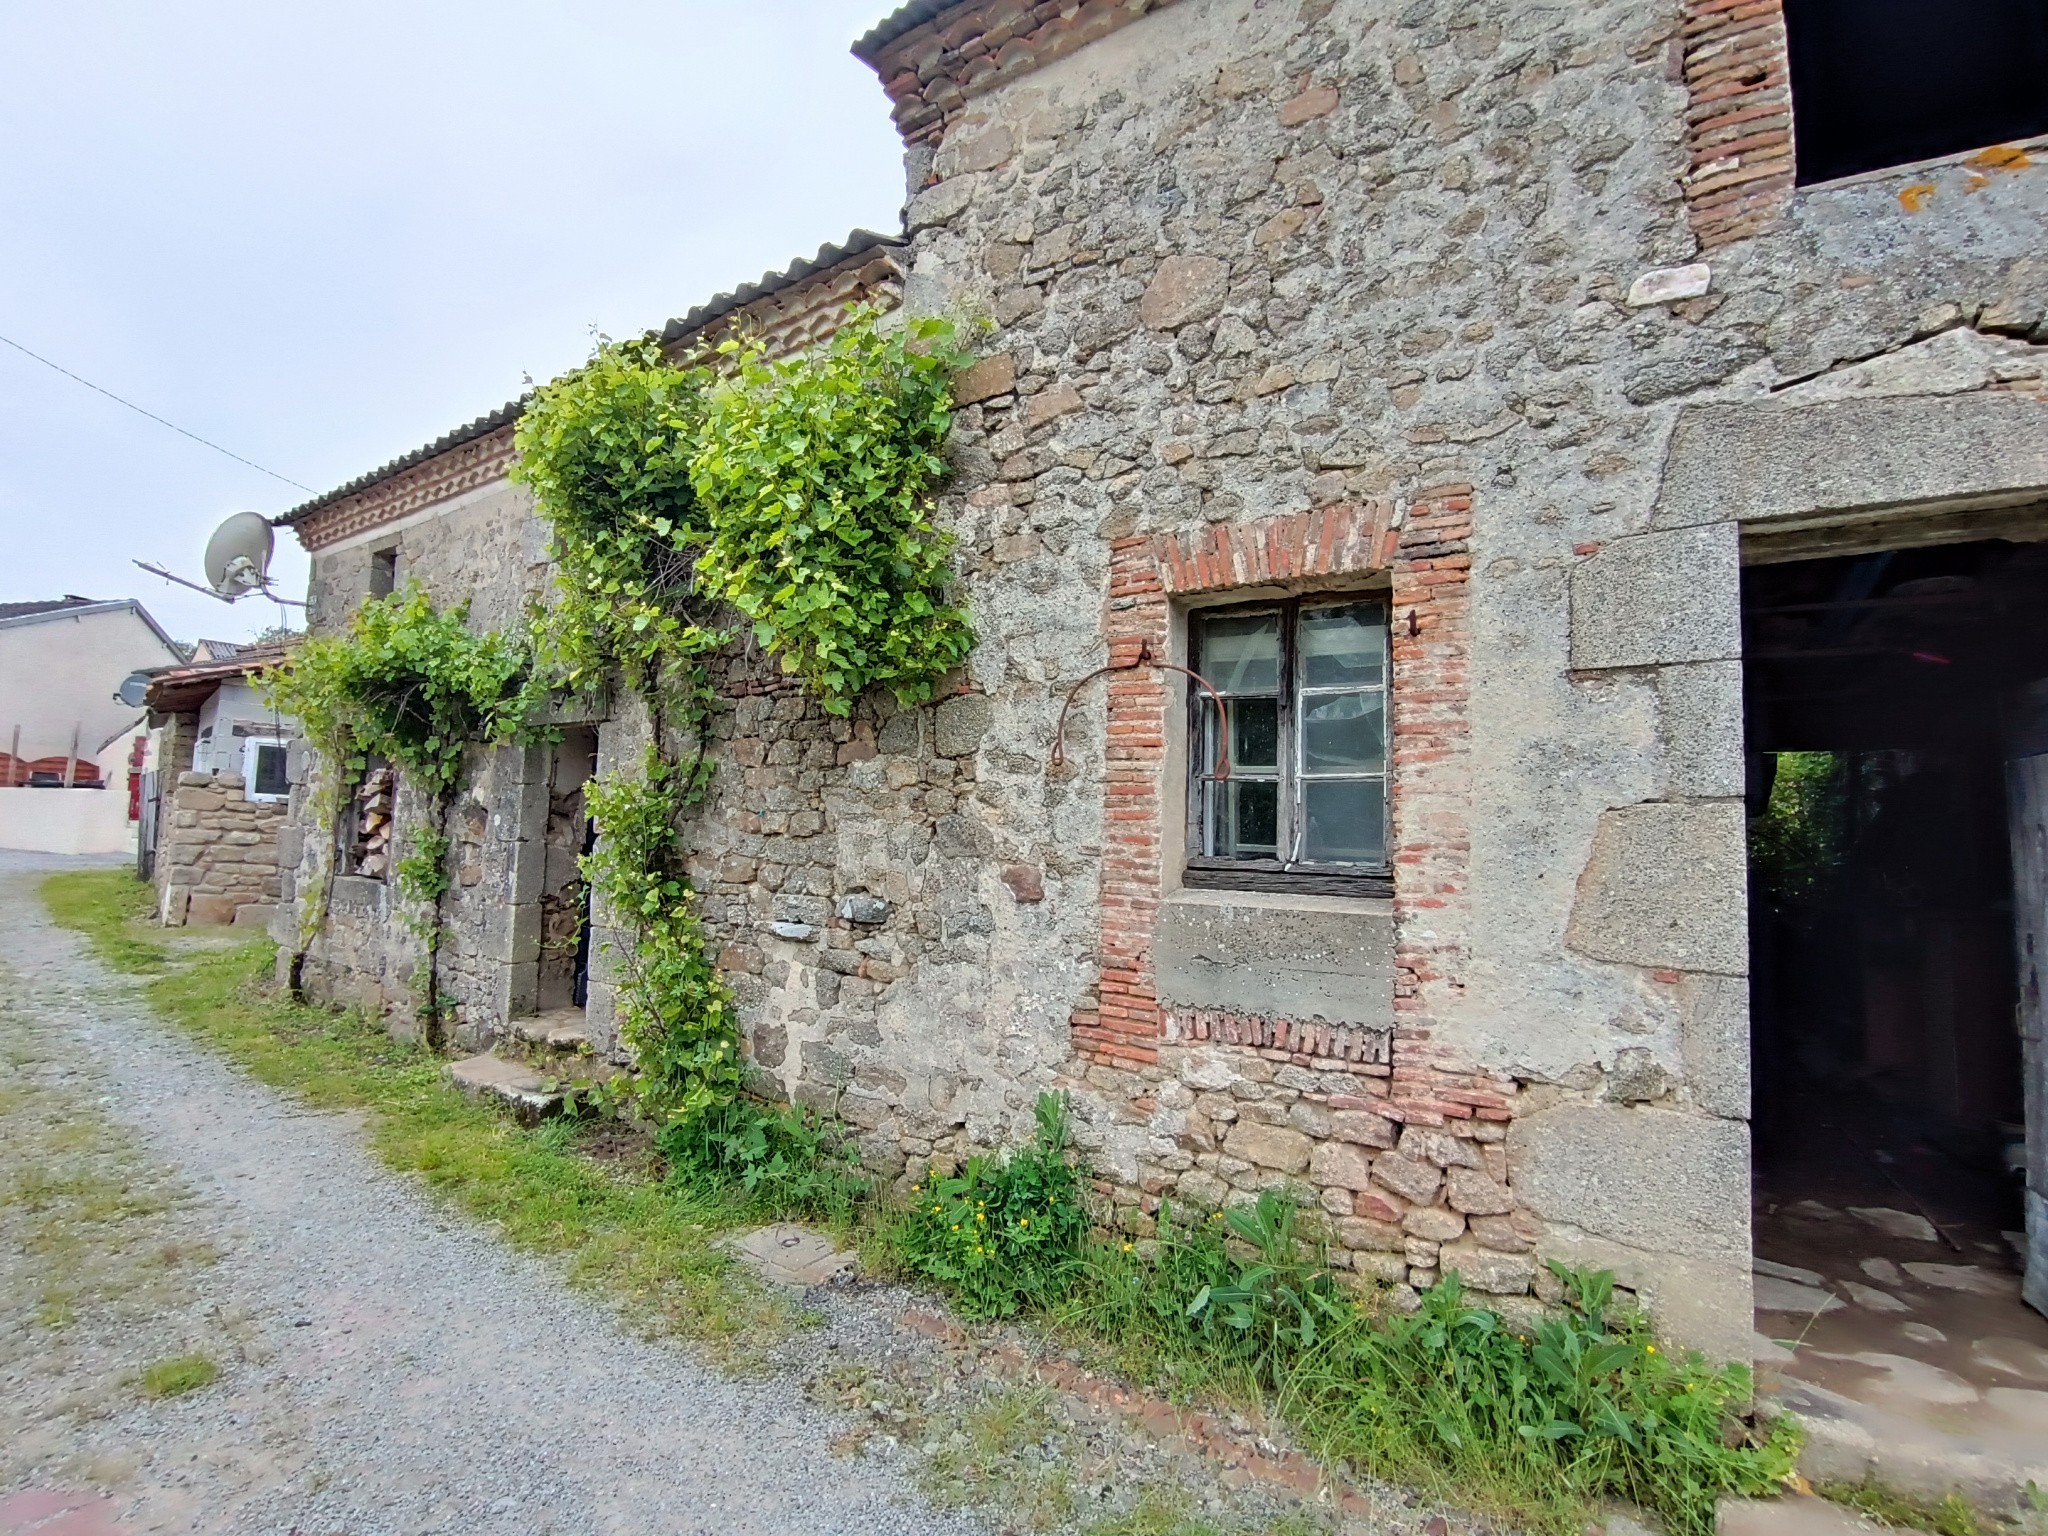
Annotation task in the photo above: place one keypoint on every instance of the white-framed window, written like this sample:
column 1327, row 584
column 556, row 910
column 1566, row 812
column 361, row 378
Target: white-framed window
column 264, row 773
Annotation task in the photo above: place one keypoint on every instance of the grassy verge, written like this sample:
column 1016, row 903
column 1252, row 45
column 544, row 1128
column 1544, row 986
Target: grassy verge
column 1949, row 1516
column 1535, row 1425
column 1535, row 1429
column 644, row 1241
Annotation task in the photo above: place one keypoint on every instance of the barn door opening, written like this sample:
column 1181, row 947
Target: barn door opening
column 1890, row 875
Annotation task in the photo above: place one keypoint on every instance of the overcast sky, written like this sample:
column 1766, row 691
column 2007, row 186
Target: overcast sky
column 321, row 236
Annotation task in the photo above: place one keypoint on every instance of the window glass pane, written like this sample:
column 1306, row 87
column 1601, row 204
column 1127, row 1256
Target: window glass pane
column 269, row 776
column 1254, row 733
column 1245, row 819
column 1343, row 731
column 1344, row 821
column 1242, row 654
column 1343, row 647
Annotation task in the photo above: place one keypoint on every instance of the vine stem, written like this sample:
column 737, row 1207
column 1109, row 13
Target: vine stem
column 444, row 805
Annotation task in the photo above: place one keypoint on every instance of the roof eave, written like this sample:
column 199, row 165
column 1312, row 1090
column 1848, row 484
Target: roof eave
column 829, row 256
column 899, row 23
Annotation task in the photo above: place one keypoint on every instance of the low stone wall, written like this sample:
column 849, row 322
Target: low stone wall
column 217, row 861
column 1405, row 1150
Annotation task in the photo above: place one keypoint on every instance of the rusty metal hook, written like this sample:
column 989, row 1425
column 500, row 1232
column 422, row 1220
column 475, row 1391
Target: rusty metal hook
column 1145, row 658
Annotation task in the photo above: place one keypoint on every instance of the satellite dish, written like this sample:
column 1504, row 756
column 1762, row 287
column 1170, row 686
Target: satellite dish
column 134, row 690
column 238, row 556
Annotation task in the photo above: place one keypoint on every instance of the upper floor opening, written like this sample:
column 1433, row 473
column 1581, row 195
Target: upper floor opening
column 1879, row 83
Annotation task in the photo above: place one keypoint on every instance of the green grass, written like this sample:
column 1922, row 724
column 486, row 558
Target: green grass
column 644, row 1242
column 174, row 1378
column 1533, row 1431
column 1950, row 1516
column 1535, row 1427
column 106, row 905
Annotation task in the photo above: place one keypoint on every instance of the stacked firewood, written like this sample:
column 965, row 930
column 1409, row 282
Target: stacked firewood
column 373, row 823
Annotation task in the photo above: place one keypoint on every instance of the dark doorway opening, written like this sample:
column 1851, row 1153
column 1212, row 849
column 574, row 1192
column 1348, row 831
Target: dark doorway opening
column 565, row 897
column 1888, row 82
column 1890, row 1131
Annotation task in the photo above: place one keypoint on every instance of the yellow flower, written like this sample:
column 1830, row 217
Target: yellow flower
column 956, row 1226
column 1026, row 1222
column 1128, row 1247
column 1650, row 1348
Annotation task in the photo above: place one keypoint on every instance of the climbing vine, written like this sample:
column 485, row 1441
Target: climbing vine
column 606, row 451
column 815, row 475
column 676, row 1015
column 796, row 491
column 406, row 683
column 414, row 686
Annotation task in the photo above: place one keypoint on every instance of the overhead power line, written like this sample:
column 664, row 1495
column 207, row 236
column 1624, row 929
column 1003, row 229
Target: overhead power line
column 152, row 415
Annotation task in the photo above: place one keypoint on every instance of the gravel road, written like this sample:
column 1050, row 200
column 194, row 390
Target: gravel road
column 385, row 1368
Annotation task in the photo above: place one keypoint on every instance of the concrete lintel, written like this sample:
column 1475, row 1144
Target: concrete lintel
column 1314, row 958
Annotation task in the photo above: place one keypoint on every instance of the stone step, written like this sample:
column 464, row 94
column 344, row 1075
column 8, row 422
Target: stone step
column 561, row 1030
column 517, row 1086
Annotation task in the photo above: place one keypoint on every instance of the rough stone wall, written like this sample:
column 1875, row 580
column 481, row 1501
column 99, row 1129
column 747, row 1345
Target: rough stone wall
column 1248, row 264
column 1401, row 275
column 483, row 547
column 217, row 858
column 888, row 945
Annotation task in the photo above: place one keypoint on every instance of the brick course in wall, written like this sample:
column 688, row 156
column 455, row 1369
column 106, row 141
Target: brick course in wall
column 931, row 71
column 1739, row 117
column 441, row 478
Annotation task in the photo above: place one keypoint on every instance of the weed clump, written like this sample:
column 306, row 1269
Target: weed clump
column 784, row 1161
column 1004, row 1232
column 1584, row 1407
column 174, row 1378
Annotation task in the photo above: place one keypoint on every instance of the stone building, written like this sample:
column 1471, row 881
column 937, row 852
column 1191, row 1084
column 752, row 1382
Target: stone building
column 1520, row 433
column 216, row 802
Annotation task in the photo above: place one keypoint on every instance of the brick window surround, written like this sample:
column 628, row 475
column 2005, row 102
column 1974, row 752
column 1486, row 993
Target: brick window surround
column 1738, row 80
column 1425, row 547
